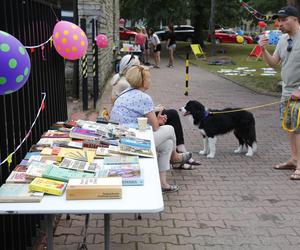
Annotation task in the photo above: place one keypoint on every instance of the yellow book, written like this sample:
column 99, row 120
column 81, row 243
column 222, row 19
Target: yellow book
column 47, row 186
column 76, row 154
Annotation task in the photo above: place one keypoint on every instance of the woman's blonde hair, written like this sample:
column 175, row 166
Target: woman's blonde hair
column 136, row 75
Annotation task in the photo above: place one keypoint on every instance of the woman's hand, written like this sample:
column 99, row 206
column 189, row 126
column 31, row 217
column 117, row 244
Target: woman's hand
column 295, row 94
column 159, row 108
column 162, row 119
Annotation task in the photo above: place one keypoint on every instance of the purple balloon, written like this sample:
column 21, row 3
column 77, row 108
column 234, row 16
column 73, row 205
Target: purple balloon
column 15, row 64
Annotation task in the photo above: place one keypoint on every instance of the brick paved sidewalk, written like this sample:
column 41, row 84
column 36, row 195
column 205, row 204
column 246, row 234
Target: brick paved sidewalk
column 230, row 202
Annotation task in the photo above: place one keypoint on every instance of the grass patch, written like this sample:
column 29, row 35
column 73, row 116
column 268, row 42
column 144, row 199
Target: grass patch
column 238, row 54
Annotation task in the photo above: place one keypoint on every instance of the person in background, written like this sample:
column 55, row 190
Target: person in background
column 287, row 54
column 133, row 103
column 147, row 47
column 156, row 47
column 118, row 81
column 171, row 45
column 140, row 40
column 119, row 84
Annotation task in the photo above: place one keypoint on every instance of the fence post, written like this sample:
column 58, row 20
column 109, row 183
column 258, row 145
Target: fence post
column 84, row 72
column 95, row 62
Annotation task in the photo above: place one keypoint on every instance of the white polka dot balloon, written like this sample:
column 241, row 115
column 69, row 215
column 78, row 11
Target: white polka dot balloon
column 15, row 64
column 69, row 40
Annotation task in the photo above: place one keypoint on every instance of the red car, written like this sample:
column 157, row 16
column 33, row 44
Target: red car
column 126, row 34
column 229, row 36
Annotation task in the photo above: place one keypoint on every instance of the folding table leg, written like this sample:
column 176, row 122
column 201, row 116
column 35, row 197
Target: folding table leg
column 106, row 231
column 49, row 231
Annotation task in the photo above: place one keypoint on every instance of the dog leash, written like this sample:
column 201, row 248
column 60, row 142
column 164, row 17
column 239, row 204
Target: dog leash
column 285, row 114
column 284, row 126
column 244, row 109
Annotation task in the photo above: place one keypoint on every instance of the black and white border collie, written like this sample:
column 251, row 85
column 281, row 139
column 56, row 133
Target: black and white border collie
column 242, row 124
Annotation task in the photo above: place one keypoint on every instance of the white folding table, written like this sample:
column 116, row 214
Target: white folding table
column 135, row 199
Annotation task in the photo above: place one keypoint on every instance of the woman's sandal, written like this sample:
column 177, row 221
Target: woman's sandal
column 291, row 164
column 296, row 175
column 185, row 166
column 184, row 158
column 193, row 162
column 172, row 188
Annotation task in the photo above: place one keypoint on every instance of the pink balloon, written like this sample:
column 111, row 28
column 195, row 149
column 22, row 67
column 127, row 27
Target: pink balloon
column 101, row 41
column 69, row 40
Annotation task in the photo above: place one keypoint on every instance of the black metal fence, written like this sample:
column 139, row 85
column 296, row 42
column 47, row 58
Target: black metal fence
column 31, row 22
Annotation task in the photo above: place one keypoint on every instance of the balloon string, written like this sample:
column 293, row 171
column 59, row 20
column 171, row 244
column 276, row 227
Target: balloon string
column 54, row 14
column 40, row 45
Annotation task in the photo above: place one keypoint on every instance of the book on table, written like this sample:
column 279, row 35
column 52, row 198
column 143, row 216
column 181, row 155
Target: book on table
column 55, row 134
column 131, row 151
column 137, row 146
column 12, row 192
column 36, row 169
column 51, row 141
column 126, row 167
column 63, row 174
column 76, row 154
column 94, row 188
column 17, row 177
column 84, row 134
column 72, row 164
column 48, row 186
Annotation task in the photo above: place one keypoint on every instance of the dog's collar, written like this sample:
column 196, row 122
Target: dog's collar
column 206, row 114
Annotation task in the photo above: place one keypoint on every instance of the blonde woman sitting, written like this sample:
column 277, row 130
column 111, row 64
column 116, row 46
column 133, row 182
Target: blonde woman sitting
column 133, row 103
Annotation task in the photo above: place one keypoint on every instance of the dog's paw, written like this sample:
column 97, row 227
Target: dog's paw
column 238, row 150
column 210, row 156
column 203, row 152
column 249, row 154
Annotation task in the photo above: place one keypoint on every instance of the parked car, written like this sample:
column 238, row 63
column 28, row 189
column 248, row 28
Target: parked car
column 229, row 36
column 182, row 33
column 126, row 34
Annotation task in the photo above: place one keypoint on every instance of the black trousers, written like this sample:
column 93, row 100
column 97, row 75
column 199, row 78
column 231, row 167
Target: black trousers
column 174, row 121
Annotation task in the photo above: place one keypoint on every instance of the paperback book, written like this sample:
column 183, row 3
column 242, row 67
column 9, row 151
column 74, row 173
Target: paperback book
column 94, row 188
column 84, row 134
column 53, row 141
column 55, row 134
column 19, row 193
column 83, row 166
column 131, row 174
column 18, row 177
column 36, row 169
column 121, row 160
column 62, row 174
column 77, row 154
column 130, row 151
column 135, row 146
column 48, row 186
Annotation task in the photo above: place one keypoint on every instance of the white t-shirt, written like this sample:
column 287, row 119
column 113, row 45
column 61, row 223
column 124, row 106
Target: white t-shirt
column 154, row 39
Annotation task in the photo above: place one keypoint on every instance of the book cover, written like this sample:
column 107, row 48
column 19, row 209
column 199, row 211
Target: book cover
column 18, row 193
column 47, row 186
column 51, row 141
column 20, row 168
column 101, row 151
column 84, row 134
column 120, row 159
column 77, row 154
column 49, row 159
column 62, row 174
column 36, row 169
column 131, row 174
column 29, row 154
column 94, row 188
column 73, row 164
column 130, row 151
column 55, row 134
column 17, row 177
column 137, row 143
column 36, row 148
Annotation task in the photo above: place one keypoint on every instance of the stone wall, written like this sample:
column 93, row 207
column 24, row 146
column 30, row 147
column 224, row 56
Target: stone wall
column 106, row 12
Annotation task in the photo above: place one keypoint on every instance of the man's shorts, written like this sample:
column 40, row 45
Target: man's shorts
column 291, row 118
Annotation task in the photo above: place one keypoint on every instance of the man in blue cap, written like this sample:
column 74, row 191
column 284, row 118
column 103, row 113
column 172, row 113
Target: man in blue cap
column 287, row 53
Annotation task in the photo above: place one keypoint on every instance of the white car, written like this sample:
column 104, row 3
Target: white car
column 182, row 33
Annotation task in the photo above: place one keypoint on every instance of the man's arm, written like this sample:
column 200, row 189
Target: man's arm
column 272, row 60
